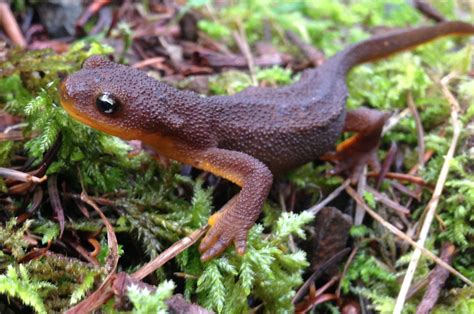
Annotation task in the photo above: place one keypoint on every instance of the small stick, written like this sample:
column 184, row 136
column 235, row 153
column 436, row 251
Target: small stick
column 387, row 163
column 243, row 44
column 437, row 278
column 380, row 197
column 359, row 211
column 394, row 120
column 432, row 205
column 147, row 62
column 20, row 176
column 345, row 269
column 420, row 134
column 7, row 19
column 400, row 187
column 402, row 177
column 330, row 261
column 429, row 11
column 105, row 291
column 428, row 154
column 315, row 56
column 403, row 236
column 316, row 208
column 170, row 253
column 56, row 202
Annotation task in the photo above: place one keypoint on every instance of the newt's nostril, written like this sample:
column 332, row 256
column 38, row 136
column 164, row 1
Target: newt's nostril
column 62, row 76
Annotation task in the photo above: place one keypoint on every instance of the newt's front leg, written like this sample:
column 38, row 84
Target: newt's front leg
column 233, row 221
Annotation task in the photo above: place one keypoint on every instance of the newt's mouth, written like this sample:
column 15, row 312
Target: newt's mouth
column 68, row 104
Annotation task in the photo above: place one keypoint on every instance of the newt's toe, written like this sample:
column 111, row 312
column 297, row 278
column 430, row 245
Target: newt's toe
column 221, row 235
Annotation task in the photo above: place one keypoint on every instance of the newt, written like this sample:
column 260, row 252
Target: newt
column 248, row 137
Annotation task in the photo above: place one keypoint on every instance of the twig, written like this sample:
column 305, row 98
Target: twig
column 11, row 136
column 147, row 62
column 316, row 296
column 387, row 163
column 380, row 197
column 428, row 154
column 316, row 208
column 431, row 207
column 427, row 10
column 345, row 269
column 312, row 54
column 20, row 176
column 56, row 202
column 332, row 260
column 359, row 212
column 105, row 291
column 243, row 44
column 394, row 120
column 401, row 177
column 10, row 25
column 437, row 279
column 403, row 236
column 420, row 134
column 400, row 187
column 169, row 253
column 15, row 127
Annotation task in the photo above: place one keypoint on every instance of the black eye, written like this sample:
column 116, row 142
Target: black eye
column 107, row 103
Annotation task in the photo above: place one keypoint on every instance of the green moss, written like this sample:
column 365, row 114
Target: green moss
column 155, row 205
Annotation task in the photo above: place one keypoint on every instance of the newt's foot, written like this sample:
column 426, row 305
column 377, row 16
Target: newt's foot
column 353, row 154
column 352, row 161
column 224, row 230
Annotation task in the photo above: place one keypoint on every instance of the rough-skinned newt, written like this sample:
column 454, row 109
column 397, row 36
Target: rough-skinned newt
column 247, row 137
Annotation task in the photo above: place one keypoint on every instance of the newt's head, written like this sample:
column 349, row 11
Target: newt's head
column 115, row 99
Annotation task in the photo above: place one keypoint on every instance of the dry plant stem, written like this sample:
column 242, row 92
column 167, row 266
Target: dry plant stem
column 380, row 197
column 402, row 188
column 431, row 207
column 426, row 157
column 401, row 177
column 147, row 62
column 11, row 136
column 387, row 163
column 14, row 127
column 437, row 278
column 20, row 176
column 428, row 10
column 420, row 134
column 332, row 260
column 104, row 292
column 312, row 54
column 56, row 202
column 10, row 25
column 359, row 212
column 170, row 253
column 346, row 268
column 243, row 44
column 316, row 208
column 394, row 120
column 403, row 236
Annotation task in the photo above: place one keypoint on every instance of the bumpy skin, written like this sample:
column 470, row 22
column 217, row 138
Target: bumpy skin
column 248, row 136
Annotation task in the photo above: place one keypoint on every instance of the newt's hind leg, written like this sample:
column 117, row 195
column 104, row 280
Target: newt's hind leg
column 354, row 153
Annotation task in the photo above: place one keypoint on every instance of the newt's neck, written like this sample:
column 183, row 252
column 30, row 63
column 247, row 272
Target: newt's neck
column 183, row 115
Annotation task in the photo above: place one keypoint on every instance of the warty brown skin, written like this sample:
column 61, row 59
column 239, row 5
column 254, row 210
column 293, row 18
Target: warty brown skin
column 248, row 136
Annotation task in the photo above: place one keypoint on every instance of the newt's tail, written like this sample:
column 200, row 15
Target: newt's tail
column 384, row 45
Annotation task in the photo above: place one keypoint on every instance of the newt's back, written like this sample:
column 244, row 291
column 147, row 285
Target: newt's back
column 289, row 126
column 284, row 127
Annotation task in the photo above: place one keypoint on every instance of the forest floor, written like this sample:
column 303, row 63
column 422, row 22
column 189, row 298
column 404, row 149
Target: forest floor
column 89, row 221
